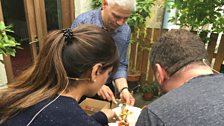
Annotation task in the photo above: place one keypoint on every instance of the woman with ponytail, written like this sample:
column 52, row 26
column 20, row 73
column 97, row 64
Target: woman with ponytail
column 72, row 63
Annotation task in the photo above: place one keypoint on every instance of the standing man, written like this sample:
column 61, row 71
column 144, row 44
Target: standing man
column 194, row 93
column 112, row 16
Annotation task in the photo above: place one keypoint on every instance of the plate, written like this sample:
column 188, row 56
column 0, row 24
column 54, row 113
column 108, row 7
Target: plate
column 112, row 124
column 132, row 117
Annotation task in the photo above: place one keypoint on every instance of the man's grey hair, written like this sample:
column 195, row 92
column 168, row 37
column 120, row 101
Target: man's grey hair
column 127, row 4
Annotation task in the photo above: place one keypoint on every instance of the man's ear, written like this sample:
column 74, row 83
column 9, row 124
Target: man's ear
column 160, row 74
column 95, row 71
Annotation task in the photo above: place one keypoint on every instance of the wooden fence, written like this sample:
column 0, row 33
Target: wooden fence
column 142, row 41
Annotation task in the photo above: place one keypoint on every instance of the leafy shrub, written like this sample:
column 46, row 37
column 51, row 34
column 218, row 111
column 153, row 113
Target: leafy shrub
column 152, row 87
column 8, row 43
column 198, row 13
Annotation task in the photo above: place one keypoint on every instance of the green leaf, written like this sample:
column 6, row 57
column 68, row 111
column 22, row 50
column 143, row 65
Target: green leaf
column 2, row 26
column 8, row 43
column 198, row 13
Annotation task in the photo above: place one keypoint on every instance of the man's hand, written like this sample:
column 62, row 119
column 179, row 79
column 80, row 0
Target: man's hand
column 127, row 97
column 106, row 93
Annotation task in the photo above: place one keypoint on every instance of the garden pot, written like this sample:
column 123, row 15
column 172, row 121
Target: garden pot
column 133, row 82
column 134, row 77
column 147, row 96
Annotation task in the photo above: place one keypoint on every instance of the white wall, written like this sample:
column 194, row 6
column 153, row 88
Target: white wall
column 82, row 6
column 156, row 15
column 3, row 78
column 159, row 16
column 167, row 17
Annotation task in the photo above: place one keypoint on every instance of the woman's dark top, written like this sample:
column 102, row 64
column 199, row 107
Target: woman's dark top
column 65, row 111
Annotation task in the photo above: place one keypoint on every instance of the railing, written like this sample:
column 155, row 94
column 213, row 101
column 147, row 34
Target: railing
column 142, row 41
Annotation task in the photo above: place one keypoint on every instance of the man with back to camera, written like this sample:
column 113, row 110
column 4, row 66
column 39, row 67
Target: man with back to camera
column 194, row 93
column 112, row 16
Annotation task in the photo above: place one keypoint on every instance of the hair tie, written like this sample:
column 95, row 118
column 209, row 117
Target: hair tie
column 68, row 34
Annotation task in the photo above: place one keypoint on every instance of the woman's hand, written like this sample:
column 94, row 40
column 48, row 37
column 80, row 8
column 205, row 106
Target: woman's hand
column 110, row 114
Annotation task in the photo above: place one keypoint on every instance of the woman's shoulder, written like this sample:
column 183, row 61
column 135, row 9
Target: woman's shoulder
column 63, row 111
column 62, row 105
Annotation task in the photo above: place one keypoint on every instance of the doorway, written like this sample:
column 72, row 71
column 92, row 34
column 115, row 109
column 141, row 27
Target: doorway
column 31, row 20
column 14, row 14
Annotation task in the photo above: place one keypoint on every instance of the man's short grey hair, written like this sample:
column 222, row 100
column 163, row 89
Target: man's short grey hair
column 127, row 4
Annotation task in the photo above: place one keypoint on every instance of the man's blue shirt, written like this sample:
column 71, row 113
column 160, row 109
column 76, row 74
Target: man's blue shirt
column 121, row 37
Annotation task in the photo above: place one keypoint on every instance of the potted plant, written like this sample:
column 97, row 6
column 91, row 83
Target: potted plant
column 150, row 90
column 8, row 43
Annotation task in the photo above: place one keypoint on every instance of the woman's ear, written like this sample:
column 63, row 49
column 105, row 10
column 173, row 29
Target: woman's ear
column 160, row 74
column 95, row 71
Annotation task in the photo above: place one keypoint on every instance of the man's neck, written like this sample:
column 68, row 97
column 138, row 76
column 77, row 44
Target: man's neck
column 102, row 17
column 186, row 74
